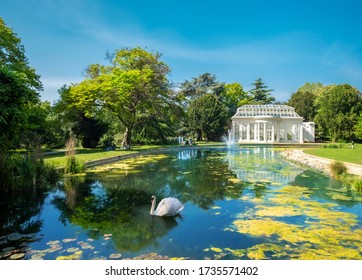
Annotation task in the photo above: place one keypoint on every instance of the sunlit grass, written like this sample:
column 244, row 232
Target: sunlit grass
column 339, row 154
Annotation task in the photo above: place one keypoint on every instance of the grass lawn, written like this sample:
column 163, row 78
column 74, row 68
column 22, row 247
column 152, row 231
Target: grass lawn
column 339, row 154
column 58, row 159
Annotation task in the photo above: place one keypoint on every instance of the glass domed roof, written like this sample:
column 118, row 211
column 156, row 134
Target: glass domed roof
column 282, row 111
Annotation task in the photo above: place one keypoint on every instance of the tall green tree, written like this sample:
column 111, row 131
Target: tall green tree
column 207, row 117
column 19, row 87
column 339, row 108
column 133, row 87
column 203, row 84
column 358, row 128
column 304, row 104
column 310, row 87
column 260, row 94
column 233, row 97
column 72, row 121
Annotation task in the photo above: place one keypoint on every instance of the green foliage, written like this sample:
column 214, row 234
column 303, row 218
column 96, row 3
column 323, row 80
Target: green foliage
column 260, row 94
column 25, row 171
column 233, row 97
column 133, row 88
column 332, row 146
column 338, row 168
column 18, row 88
column 304, row 104
column 12, row 57
column 201, row 85
column 338, row 110
column 357, row 185
column 207, row 116
column 73, row 165
column 358, row 127
column 311, row 88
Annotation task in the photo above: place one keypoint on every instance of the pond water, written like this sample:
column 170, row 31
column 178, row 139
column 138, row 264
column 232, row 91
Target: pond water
column 239, row 204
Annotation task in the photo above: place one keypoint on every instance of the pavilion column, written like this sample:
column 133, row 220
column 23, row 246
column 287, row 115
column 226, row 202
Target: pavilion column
column 255, row 132
column 294, row 132
column 278, row 132
column 265, row 133
column 248, row 132
column 301, row 136
column 235, row 129
column 273, row 131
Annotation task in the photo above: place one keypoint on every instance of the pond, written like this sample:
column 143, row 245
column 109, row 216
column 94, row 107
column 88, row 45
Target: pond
column 239, row 204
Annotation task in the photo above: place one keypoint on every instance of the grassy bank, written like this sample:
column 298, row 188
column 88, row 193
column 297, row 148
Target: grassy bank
column 338, row 153
column 58, row 159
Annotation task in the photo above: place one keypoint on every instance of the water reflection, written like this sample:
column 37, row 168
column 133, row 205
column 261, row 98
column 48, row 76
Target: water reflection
column 224, row 192
column 262, row 165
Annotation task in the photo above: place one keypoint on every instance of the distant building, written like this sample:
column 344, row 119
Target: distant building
column 270, row 124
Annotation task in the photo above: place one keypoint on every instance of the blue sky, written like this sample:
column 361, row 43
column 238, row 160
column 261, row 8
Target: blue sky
column 286, row 43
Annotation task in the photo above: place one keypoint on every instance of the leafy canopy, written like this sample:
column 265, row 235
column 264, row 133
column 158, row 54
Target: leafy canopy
column 339, row 107
column 19, row 86
column 260, row 94
column 132, row 88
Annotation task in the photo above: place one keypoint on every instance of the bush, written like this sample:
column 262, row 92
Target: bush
column 357, row 185
column 338, row 168
column 24, row 171
column 333, row 146
column 73, row 165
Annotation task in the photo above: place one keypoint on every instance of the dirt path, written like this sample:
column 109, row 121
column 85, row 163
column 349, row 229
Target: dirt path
column 318, row 163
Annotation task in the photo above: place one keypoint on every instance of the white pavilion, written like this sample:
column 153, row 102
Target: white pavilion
column 270, row 124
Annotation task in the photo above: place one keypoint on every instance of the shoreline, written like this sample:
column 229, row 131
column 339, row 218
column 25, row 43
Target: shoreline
column 320, row 164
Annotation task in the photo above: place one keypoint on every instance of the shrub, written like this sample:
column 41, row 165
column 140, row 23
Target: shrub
column 24, row 171
column 357, row 185
column 338, row 168
column 73, row 165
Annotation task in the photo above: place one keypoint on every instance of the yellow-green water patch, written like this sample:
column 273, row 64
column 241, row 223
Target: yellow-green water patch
column 326, row 233
column 278, row 211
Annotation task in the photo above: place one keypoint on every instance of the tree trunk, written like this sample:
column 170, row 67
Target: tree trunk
column 199, row 135
column 126, row 143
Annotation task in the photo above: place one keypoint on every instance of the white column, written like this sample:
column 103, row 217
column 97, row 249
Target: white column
column 265, row 136
column 233, row 131
column 248, row 132
column 255, row 132
column 273, row 131
column 301, row 136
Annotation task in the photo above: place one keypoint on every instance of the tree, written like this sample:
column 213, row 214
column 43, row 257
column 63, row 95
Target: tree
column 304, row 104
column 207, row 116
column 260, row 94
column 12, row 57
column 19, row 86
column 338, row 110
column 233, row 97
column 72, row 121
column 310, row 87
column 205, row 83
column 358, row 128
column 132, row 88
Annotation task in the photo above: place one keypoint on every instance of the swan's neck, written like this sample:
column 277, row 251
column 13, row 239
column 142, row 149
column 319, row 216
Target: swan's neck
column 153, row 205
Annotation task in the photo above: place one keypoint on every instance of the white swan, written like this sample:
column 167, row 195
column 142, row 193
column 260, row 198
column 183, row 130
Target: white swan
column 169, row 206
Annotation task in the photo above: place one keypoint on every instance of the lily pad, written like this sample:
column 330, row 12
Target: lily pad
column 115, row 256
column 72, row 249
column 8, row 249
column 14, row 236
column 17, row 256
column 53, row 242
column 67, row 240
column 76, row 256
